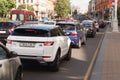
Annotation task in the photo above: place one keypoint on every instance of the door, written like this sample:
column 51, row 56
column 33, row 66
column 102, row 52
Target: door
column 63, row 41
column 4, row 65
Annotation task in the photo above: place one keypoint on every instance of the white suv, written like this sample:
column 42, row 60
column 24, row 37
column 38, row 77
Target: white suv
column 10, row 65
column 44, row 43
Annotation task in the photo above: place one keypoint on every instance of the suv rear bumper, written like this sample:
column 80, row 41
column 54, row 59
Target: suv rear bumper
column 37, row 58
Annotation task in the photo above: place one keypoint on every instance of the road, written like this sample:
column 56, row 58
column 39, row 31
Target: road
column 75, row 69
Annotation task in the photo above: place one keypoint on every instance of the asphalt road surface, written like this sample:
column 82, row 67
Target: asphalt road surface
column 75, row 69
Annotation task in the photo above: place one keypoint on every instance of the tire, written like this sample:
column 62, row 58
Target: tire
column 68, row 56
column 19, row 74
column 93, row 35
column 97, row 30
column 54, row 66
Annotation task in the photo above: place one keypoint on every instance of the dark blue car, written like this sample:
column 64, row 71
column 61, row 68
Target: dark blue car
column 75, row 32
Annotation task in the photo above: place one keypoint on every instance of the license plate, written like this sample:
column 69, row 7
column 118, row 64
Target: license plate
column 2, row 31
column 27, row 44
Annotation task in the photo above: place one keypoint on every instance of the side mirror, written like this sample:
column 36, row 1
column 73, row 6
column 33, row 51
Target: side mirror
column 12, row 54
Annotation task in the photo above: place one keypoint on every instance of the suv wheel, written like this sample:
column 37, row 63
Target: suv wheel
column 54, row 66
column 68, row 56
column 19, row 75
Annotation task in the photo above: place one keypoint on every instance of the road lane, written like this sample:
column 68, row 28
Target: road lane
column 74, row 69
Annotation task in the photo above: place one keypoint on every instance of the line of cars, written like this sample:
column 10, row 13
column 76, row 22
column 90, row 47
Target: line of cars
column 45, row 43
column 90, row 27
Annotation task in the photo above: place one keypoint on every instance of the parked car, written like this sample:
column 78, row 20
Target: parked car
column 10, row 65
column 6, row 27
column 90, row 28
column 46, row 44
column 74, row 31
column 102, row 23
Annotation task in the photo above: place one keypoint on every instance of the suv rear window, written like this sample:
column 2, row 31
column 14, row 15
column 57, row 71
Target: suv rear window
column 67, row 26
column 30, row 32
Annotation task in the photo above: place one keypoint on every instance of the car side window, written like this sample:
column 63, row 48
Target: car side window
column 61, row 32
column 54, row 33
column 3, row 53
column 78, row 26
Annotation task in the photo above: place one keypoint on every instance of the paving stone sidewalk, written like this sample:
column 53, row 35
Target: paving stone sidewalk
column 107, row 66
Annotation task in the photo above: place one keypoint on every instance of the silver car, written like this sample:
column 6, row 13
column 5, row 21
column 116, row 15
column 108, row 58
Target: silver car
column 10, row 65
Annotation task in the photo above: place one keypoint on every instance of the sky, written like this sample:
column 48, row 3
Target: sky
column 82, row 4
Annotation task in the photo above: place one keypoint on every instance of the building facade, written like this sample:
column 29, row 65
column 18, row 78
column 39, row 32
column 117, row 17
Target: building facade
column 41, row 7
column 104, row 6
column 50, row 8
column 91, row 9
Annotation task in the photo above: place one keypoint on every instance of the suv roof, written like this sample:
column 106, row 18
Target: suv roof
column 67, row 22
column 38, row 26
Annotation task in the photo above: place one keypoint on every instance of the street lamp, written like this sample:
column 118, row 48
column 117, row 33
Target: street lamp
column 115, row 20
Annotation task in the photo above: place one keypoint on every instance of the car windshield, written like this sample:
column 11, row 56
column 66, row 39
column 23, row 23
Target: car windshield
column 30, row 32
column 67, row 26
column 87, row 24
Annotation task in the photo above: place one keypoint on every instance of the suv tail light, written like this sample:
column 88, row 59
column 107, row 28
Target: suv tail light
column 48, row 43
column 74, row 34
column 9, row 41
column 46, row 56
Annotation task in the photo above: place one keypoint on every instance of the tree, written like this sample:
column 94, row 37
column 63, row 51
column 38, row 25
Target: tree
column 6, row 6
column 75, row 12
column 29, row 7
column 62, row 8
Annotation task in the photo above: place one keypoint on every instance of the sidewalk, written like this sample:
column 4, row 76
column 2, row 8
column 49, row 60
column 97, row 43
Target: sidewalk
column 107, row 66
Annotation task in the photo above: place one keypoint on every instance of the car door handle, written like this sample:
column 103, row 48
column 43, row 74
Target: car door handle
column 0, row 65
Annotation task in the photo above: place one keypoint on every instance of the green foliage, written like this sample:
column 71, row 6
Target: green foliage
column 4, row 19
column 118, row 15
column 6, row 6
column 62, row 8
column 29, row 7
column 75, row 12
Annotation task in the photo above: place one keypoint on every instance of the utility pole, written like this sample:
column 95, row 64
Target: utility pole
column 115, row 20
